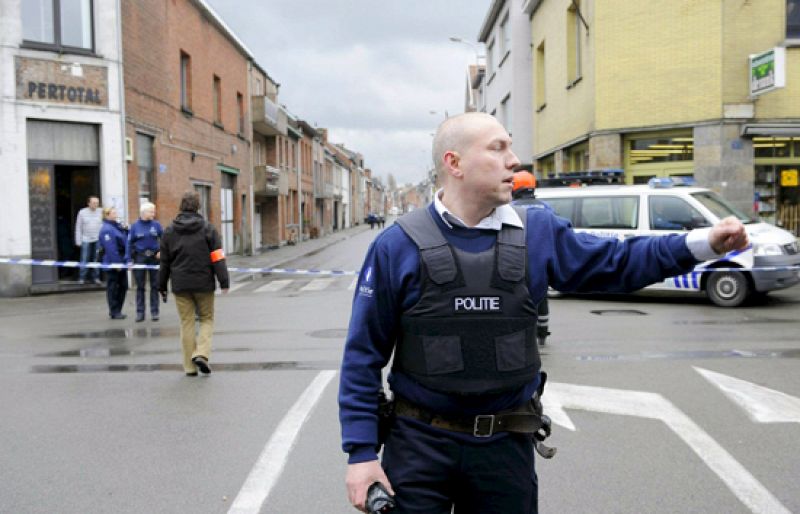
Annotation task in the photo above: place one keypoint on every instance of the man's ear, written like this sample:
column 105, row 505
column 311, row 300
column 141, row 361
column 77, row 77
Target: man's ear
column 452, row 163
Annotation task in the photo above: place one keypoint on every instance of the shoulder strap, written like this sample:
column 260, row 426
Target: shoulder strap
column 434, row 250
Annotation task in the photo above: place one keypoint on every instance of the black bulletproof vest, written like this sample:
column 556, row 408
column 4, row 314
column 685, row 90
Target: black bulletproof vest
column 473, row 329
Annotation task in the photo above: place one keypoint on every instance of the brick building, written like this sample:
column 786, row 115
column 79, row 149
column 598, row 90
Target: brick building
column 187, row 103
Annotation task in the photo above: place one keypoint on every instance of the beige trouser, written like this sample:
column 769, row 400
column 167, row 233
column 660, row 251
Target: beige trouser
column 188, row 305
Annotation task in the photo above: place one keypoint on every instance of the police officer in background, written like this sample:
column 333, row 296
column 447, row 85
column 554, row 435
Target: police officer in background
column 452, row 290
column 525, row 195
column 144, row 240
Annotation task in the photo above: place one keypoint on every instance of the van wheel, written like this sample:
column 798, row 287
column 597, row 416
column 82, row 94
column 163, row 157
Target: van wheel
column 727, row 288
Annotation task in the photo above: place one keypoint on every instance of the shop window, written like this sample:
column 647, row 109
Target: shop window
column 661, row 149
column 776, row 147
column 144, row 161
column 792, row 19
column 186, row 83
column 58, row 25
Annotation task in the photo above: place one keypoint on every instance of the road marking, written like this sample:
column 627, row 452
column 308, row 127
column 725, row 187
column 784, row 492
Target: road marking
column 762, row 404
column 352, row 285
column 651, row 405
column 270, row 463
column 318, row 284
column 275, row 285
column 232, row 288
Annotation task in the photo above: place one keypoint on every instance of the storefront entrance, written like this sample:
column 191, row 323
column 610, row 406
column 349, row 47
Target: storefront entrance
column 63, row 171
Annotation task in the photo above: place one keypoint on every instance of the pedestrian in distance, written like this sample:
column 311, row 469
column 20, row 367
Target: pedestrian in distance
column 371, row 219
column 144, row 240
column 524, row 195
column 87, row 232
column 113, row 238
column 192, row 259
column 449, row 295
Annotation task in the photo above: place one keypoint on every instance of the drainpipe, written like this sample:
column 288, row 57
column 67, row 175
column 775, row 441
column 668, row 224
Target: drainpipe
column 299, row 187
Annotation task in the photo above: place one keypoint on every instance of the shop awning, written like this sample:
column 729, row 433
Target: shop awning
column 771, row 129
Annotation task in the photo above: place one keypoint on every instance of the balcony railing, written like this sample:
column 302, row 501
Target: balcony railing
column 269, row 118
column 269, row 181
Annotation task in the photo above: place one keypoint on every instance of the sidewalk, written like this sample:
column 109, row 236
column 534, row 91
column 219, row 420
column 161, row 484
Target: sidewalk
column 277, row 257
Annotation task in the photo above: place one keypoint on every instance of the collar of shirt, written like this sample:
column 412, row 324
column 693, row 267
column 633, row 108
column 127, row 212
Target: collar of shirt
column 505, row 214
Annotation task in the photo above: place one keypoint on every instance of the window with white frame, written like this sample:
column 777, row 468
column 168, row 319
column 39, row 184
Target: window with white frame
column 490, row 58
column 505, row 112
column 505, row 37
column 58, row 25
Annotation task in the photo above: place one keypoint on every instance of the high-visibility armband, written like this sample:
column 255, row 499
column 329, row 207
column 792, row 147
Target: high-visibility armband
column 217, row 255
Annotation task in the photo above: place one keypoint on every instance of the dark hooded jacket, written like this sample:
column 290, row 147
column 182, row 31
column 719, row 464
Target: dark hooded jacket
column 186, row 256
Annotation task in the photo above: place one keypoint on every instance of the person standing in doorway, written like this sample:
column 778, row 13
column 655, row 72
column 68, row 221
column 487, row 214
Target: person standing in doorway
column 87, row 231
column 113, row 239
column 144, row 240
column 192, row 257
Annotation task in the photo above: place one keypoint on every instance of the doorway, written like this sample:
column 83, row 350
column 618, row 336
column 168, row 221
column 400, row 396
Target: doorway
column 57, row 191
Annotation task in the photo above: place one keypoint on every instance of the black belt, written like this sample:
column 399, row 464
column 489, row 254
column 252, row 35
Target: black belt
column 522, row 420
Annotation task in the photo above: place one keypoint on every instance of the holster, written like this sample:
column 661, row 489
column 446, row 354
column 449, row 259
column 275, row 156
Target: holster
column 385, row 418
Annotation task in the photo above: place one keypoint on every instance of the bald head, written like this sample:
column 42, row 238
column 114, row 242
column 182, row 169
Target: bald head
column 455, row 134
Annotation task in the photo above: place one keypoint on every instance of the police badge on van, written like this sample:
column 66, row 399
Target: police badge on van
column 477, row 304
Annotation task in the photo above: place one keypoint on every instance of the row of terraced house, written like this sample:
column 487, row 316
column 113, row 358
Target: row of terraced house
column 140, row 101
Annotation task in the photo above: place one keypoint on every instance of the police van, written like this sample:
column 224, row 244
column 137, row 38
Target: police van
column 675, row 205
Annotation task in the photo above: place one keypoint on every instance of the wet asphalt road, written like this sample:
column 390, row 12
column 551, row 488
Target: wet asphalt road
column 98, row 417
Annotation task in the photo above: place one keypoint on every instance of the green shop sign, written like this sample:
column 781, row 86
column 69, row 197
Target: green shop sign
column 767, row 71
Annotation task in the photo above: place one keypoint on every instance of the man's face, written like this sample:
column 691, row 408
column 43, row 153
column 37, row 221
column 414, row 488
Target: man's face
column 94, row 203
column 488, row 163
column 148, row 214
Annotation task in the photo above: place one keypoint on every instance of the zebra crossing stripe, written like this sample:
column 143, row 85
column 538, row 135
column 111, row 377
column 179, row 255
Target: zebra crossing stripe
column 318, row 284
column 274, row 286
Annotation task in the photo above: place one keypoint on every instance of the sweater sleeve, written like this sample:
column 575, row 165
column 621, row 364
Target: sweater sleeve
column 79, row 228
column 581, row 262
column 370, row 340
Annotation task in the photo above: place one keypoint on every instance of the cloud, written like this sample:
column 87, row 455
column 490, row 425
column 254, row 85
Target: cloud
column 371, row 72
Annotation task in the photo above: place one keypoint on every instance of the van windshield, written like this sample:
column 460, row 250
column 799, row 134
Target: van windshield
column 720, row 207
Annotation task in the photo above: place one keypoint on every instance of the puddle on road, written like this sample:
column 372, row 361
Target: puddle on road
column 215, row 367
column 149, row 333
column 741, row 321
column 700, row 354
column 102, row 351
column 330, row 333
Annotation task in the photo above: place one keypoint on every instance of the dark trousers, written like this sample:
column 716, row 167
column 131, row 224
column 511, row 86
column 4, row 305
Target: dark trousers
column 141, row 277
column 432, row 473
column 116, row 287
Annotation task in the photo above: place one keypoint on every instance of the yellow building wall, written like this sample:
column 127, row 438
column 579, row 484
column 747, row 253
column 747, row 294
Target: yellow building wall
column 750, row 28
column 657, row 65
column 569, row 113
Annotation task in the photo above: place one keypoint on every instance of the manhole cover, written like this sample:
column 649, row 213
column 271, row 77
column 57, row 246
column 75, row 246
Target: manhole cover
column 619, row 312
column 329, row 333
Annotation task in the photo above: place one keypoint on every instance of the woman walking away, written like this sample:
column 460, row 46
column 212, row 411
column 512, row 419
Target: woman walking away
column 192, row 257
column 113, row 238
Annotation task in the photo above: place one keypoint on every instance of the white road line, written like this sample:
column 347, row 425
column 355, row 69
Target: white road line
column 352, row 285
column 275, row 285
column 270, row 463
column 651, row 405
column 762, row 405
column 232, row 288
column 318, row 284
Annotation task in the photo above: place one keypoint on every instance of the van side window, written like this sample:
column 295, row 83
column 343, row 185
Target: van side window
column 563, row 207
column 671, row 213
column 609, row 212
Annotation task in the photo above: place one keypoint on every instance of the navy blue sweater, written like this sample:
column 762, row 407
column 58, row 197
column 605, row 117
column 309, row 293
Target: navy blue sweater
column 389, row 284
column 143, row 235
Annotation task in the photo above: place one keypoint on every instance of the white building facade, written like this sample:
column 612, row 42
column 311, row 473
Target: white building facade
column 505, row 91
column 61, row 131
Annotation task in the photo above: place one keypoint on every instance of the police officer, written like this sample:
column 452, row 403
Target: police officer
column 524, row 194
column 112, row 238
column 144, row 240
column 451, row 290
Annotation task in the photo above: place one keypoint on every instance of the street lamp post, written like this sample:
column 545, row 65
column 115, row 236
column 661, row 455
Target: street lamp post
column 474, row 47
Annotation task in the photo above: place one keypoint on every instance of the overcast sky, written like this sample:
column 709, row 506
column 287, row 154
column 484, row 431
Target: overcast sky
column 368, row 70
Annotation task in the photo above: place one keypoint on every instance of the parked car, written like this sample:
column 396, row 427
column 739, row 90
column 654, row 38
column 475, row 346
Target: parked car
column 672, row 206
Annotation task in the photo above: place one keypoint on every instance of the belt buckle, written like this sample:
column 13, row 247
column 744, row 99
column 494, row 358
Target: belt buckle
column 481, row 422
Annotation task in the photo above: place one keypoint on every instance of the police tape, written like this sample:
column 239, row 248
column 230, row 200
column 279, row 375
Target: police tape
column 294, row 271
column 97, row 265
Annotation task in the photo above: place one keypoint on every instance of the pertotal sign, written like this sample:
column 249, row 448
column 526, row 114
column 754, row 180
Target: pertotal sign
column 767, row 70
